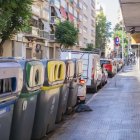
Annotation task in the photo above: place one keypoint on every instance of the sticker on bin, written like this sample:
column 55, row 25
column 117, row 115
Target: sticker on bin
column 4, row 110
column 52, row 107
column 24, row 106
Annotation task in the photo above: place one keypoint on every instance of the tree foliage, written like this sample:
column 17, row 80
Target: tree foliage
column 103, row 30
column 90, row 47
column 66, row 34
column 118, row 32
column 14, row 17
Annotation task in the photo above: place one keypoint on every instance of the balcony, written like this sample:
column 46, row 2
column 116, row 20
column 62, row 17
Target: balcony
column 54, row 20
column 52, row 37
column 37, row 33
column 80, row 31
column 79, row 5
column 45, row 15
column 55, row 3
column 43, row 34
column 93, row 24
column 80, row 43
column 36, row 10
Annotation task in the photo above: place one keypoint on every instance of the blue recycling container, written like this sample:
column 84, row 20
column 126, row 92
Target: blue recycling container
column 11, row 81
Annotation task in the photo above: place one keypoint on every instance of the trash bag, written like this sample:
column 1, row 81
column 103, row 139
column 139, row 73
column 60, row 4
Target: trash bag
column 82, row 108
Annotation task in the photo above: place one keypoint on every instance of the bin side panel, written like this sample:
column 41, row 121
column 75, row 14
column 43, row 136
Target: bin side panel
column 6, row 114
column 72, row 99
column 63, row 99
column 46, row 110
column 23, row 118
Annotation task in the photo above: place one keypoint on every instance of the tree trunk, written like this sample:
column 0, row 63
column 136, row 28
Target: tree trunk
column 1, row 47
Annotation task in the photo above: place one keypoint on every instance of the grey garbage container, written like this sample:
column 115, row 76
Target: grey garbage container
column 73, row 91
column 47, row 103
column 11, row 81
column 64, row 90
column 24, row 111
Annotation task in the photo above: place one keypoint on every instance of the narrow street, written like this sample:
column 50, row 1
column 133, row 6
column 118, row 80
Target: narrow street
column 115, row 115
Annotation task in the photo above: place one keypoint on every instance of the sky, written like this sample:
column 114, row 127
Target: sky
column 111, row 8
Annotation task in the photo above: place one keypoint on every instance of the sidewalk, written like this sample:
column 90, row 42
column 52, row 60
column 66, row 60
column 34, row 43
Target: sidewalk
column 115, row 115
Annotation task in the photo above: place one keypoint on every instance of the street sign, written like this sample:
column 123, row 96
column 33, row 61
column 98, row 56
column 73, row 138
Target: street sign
column 117, row 41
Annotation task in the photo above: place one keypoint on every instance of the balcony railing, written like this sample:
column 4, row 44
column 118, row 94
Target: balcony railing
column 43, row 34
column 36, row 32
column 54, row 20
column 52, row 37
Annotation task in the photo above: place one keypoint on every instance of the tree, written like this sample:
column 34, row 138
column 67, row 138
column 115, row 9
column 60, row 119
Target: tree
column 118, row 32
column 118, row 26
column 66, row 34
column 14, row 17
column 103, row 32
column 90, row 47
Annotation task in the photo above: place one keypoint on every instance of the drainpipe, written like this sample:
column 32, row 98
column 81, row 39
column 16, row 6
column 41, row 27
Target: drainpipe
column 13, row 48
column 122, row 43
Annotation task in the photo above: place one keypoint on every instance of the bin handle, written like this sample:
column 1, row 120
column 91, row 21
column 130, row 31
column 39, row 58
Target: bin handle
column 9, row 98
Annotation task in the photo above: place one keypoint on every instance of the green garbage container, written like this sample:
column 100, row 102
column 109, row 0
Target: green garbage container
column 11, row 81
column 64, row 90
column 47, row 103
column 24, row 111
column 74, row 84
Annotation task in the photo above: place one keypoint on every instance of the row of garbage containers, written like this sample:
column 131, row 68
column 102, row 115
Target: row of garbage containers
column 34, row 95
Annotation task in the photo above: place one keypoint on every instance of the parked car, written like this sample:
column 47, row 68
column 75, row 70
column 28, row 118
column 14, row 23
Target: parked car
column 104, row 76
column 110, row 66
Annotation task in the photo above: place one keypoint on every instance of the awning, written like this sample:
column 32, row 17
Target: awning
column 71, row 17
column 135, row 38
column 58, row 13
column 131, row 16
column 63, row 12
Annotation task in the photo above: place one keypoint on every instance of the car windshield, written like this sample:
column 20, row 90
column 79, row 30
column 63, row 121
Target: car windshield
column 104, row 62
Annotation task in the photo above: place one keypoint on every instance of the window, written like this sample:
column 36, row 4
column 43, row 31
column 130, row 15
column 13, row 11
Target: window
column 85, row 6
column 85, row 40
column 63, row 4
column 75, row 1
column 85, row 29
column 57, row 3
column 34, row 22
column 75, row 13
column 85, row 18
column 70, row 9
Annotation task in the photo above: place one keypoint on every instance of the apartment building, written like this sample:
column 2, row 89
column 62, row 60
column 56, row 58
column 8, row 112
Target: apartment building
column 34, row 42
column 40, row 42
column 88, row 23
column 61, row 10
column 81, row 13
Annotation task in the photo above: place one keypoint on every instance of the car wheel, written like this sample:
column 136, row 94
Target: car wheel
column 101, row 84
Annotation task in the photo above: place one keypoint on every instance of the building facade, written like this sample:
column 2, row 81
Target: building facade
column 33, row 43
column 40, row 42
column 88, row 23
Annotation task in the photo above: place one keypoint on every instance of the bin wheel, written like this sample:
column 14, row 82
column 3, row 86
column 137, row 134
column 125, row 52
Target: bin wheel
column 95, row 88
column 101, row 84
